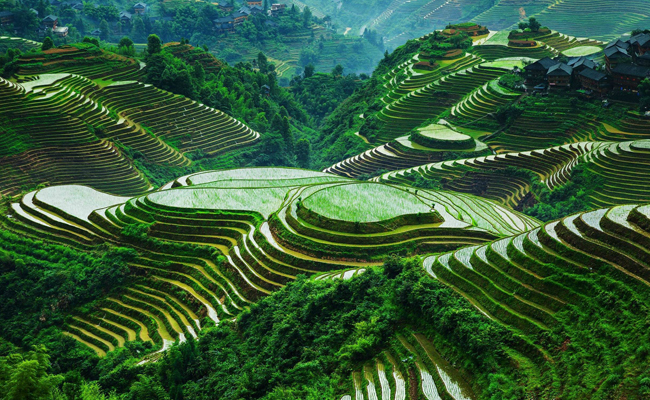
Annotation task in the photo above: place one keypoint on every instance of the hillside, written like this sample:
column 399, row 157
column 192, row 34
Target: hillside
column 479, row 227
column 399, row 20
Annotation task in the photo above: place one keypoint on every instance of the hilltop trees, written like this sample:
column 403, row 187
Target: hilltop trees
column 154, row 44
column 532, row 24
column 47, row 43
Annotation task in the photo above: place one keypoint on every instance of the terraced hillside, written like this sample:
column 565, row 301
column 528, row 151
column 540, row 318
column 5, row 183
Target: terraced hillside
column 411, row 368
column 620, row 164
column 82, row 59
column 65, row 128
column 212, row 243
column 404, row 152
column 193, row 55
column 23, row 45
column 408, row 107
column 508, row 279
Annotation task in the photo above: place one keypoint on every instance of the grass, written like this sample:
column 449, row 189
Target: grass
column 442, row 133
column 365, row 202
column 265, row 200
column 76, row 200
column 254, row 173
column 582, row 51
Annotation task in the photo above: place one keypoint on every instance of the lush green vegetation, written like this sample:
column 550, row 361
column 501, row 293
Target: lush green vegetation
column 567, row 199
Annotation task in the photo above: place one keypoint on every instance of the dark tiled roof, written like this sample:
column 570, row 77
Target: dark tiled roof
column 140, row 5
column 560, row 69
column 619, row 43
column 545, row 63
column 50, row 18
column 576, row 62
column 6, row 13
column 223, row 20
column 592, row 74
column 632, row 70
column 616, row 52
column 642, row 39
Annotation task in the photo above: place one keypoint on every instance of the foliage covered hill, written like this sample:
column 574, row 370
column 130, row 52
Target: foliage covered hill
column 296, row 38
column 399, row 20
column 522, row 313
column 149, row 134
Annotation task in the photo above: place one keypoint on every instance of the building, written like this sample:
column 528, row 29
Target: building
column 536, row 72
column 77, row 6
column 252, row 3
column 60, row 31
column 643, row 60
column 626, row 77
column 224, row 24
column 640, row 43
column 278, row 9
column 580, row 63
column 51, row 21
column 251, row 10
column 6, row 18
column 96, row 33
column 140, row 8
column 559, row 76
column 227, row 7
column 125, row 17
column 615, row 55
column 594, row 81
column 239, row 18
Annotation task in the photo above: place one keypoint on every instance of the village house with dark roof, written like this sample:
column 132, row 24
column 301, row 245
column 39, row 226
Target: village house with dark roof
column 626, row 77
column 126, row 17
column 277, row 9
column 227, row 7
column 50, row 21
column 252, row 3
column 580, row 63
column 559, row 76
column 6, row 18
column 140, row 8
column 224, row 24
column 251, row 10
column 616, row 55
column 536, row 72
column 594, row 81
column 640, row 43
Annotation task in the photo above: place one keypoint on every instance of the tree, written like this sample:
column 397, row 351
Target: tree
column 25, row 377
column 103, row 30
column 306, row 17
column 338, row 70
column 126, row 42
column 154, row 45
column 47, row 43
column 533, row 24
column 303, row 150
column 309, row 70
column 262, row 63
column 138, row 31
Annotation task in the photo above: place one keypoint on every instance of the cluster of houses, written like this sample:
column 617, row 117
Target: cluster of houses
column 252, row 7
column 52, row 22
column 627, row 63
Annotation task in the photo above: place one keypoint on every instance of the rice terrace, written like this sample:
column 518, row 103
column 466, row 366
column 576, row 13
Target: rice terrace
column 314, row 200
